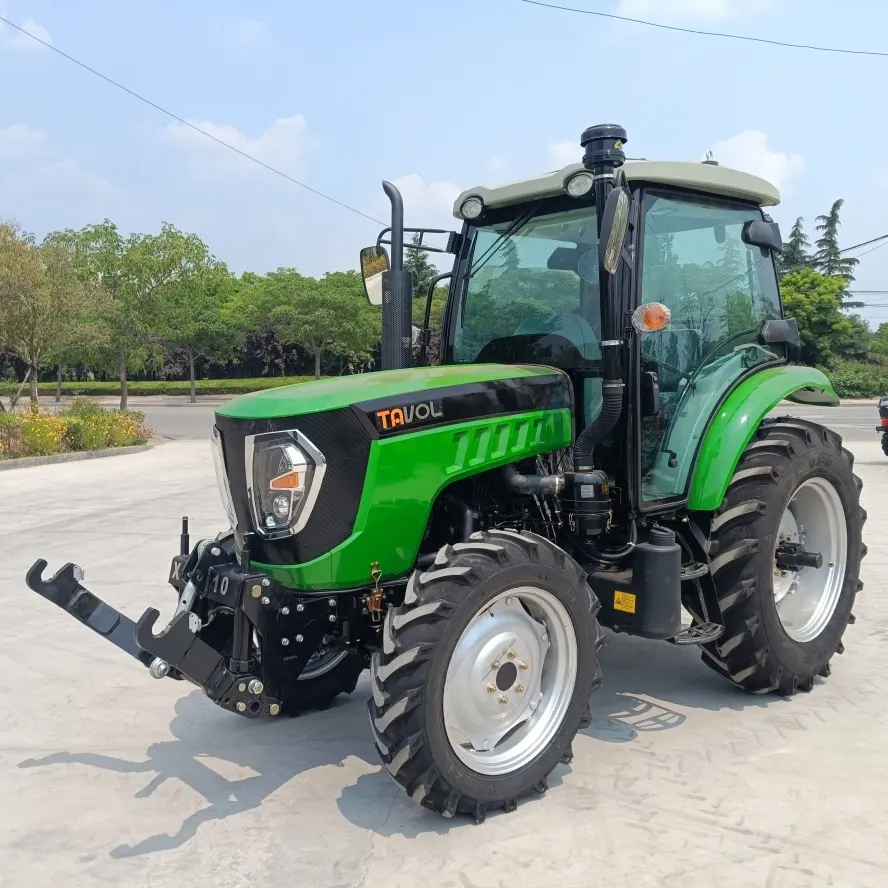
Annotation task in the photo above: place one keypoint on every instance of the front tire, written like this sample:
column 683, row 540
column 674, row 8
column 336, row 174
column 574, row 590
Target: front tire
column 327, row 674
column 794, row 484
column 485, row 673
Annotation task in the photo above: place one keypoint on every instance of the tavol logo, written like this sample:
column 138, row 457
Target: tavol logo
column 387, row 420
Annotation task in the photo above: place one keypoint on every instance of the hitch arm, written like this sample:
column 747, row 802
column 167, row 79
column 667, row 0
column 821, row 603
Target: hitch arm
column 185, row 655
column 65, row 591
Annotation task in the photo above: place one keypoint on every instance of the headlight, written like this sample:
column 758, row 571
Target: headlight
column 222, row 476
column 579, row 185
column 284, row 475
column 472, row 207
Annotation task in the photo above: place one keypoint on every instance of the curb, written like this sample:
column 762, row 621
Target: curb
column 25, row 462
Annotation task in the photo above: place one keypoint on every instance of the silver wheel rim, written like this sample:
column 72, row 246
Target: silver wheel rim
column 806, row 599
column 510, row 681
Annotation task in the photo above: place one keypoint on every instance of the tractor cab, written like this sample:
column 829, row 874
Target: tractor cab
column 689, row 307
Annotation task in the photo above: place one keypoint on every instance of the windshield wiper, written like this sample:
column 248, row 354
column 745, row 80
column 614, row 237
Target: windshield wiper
column 521, row 220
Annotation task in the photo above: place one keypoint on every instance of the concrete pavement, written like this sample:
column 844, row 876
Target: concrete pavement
column 108, row 777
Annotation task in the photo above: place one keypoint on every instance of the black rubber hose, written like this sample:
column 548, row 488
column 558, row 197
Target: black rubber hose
column 613, row 556
column 594, row 434
column 530, row 484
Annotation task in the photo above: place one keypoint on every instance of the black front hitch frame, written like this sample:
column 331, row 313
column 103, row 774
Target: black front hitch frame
column 252, row 681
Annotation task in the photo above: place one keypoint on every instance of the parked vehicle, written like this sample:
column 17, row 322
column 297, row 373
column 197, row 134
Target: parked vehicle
column 594, row 451
column 883, row 423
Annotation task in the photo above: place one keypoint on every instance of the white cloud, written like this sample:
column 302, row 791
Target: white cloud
column 283, row 145
column 16, row 40
column 561, row 154
column 37, row 181
column 748, row 151
column 427, row 204
column 691, row 10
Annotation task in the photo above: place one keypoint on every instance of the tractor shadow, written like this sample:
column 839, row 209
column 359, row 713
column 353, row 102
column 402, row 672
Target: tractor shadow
column 643, row 680
column 271, row 752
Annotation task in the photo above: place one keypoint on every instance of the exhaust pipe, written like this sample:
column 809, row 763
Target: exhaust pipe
column 397, row 294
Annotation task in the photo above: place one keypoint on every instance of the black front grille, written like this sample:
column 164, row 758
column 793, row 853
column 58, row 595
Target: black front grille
column 343, row 438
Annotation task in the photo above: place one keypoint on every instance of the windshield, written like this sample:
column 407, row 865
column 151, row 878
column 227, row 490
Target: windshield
column 532, row 288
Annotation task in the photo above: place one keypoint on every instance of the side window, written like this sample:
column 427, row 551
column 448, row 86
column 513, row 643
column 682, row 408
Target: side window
column 719, row 291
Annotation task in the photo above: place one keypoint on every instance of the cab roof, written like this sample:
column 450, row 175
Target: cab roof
column 705, row 177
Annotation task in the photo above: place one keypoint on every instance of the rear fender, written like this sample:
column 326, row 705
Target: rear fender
column 740, row 415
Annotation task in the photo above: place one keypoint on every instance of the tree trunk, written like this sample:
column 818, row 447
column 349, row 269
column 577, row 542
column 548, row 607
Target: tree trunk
column 317, row 352
column 34, row 400
column 124, row 399
column 14, row 399
column 59, row 386
column 191, row 375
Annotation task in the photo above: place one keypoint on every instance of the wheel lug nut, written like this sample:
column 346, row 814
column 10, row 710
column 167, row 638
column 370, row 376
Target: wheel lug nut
column 504, row 699
column 522, row 666
column 491, row 689
column 495, row 665
column 511, row 655
column 519, row 689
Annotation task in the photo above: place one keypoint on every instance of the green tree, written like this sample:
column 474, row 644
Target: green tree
column 795, row 250
column 324, row 316
column 815, row 301
column 133, row 272
column 192, row 318
column 41, row 299
column 421, row 269
column 828, row 259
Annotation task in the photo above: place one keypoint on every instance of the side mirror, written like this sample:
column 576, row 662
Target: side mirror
column 614, row 225
column 374, row 263
column 766, row 235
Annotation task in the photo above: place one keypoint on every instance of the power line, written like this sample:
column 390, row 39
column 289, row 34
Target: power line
column 873, row 249
column 635, row 21
column 881, row 237
column 197, row 129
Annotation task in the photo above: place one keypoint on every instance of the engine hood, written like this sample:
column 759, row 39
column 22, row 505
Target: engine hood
column 378, row 388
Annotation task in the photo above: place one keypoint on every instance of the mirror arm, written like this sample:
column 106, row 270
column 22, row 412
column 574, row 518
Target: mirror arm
column 454, row 240
column 424, row 340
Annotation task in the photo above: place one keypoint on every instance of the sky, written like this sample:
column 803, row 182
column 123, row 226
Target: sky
column 436, row 97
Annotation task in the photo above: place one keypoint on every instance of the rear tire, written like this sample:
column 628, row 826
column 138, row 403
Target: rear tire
column 429, row 680
column 885, row 444
column 761, row 650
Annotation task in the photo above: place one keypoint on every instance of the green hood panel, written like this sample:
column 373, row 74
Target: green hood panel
column 405, row 475
column 343, row 391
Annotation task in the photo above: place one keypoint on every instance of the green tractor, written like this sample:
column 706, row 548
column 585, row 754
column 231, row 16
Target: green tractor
column 595, row 449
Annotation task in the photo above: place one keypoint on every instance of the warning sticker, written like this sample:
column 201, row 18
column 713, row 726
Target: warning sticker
column 624, row 601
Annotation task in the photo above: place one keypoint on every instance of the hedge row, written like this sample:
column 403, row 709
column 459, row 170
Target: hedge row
column 850, row 381
column 83, row 426
column 858, row 380
column 161, row 387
